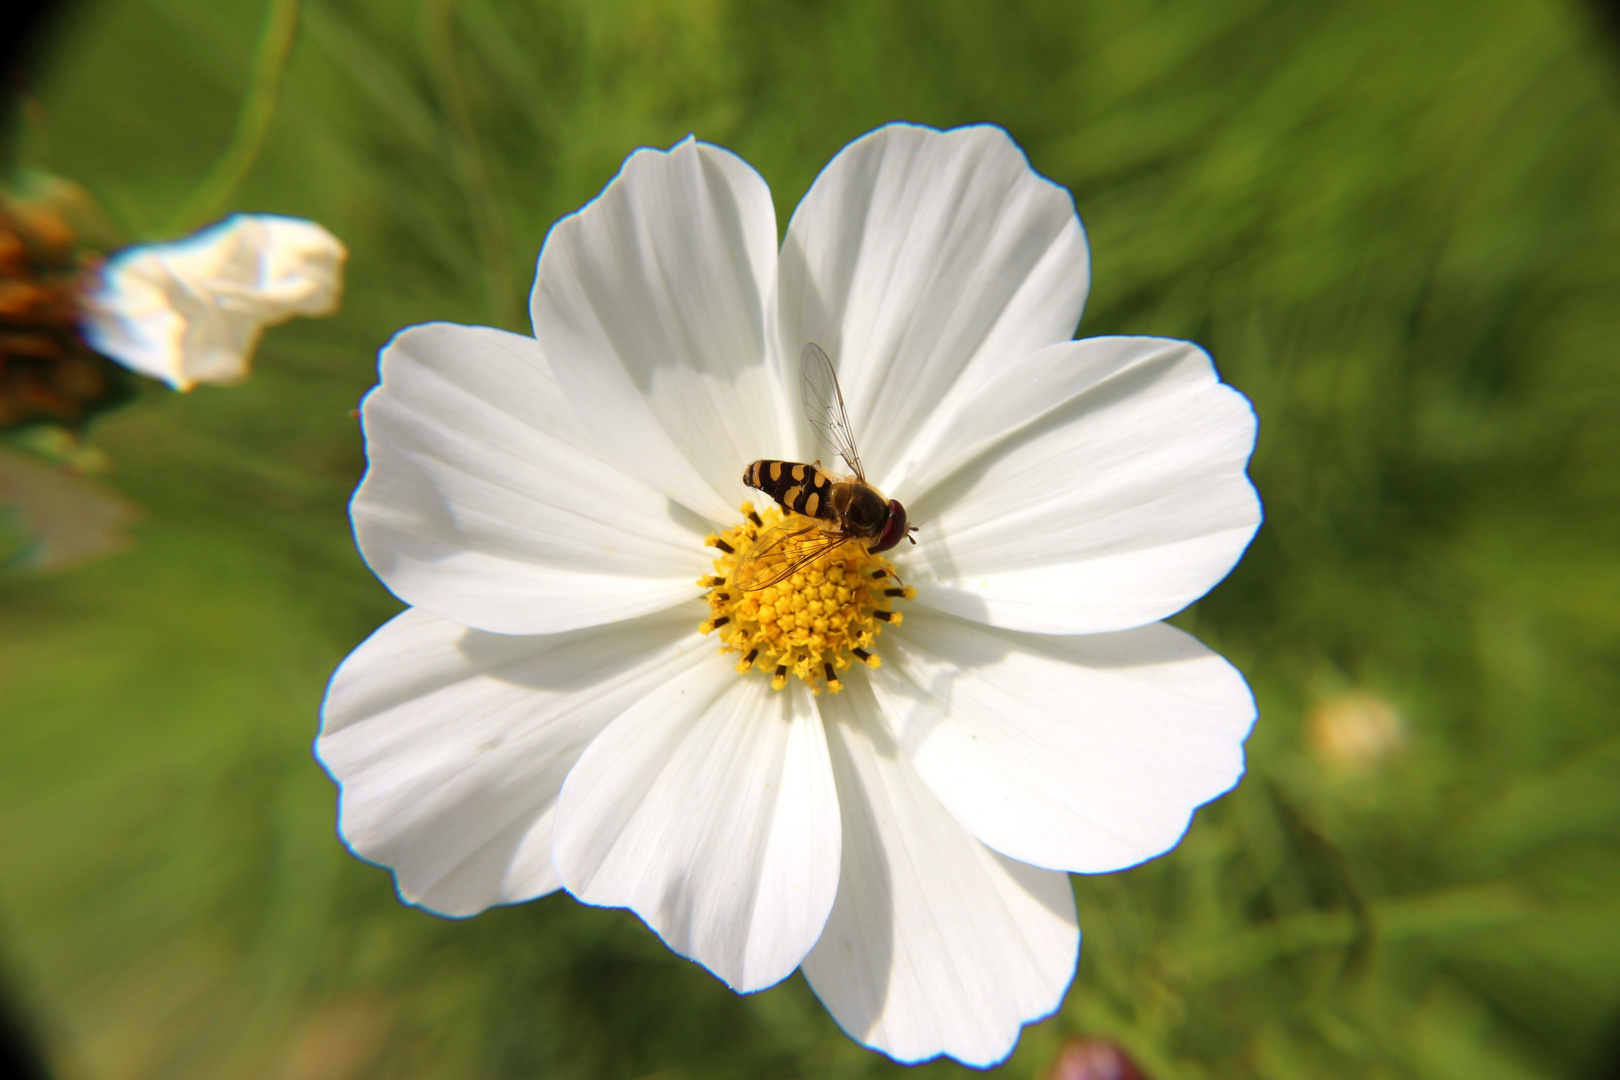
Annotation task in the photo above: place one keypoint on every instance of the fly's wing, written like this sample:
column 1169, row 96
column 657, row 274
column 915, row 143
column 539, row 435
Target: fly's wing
column 824, row 405
column 782, row 550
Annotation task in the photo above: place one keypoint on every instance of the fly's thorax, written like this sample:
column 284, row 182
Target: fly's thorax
column 860, row 509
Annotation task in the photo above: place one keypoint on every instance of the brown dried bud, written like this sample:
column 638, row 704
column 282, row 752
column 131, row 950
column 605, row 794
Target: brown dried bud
column 46, row 370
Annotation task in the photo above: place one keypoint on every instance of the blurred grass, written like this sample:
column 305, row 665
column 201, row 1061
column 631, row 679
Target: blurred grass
column 1395, row 226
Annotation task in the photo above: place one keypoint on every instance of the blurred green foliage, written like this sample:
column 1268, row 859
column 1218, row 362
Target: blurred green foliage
column 1397, row 228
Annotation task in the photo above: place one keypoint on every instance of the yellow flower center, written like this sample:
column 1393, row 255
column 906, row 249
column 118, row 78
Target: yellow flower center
column 811, row 623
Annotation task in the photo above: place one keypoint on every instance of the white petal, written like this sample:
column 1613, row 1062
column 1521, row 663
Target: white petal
column 192, row 311
column 709, row 810
column 936, row 944
column 920, row 257
column 451, row 745
column 1085, row 753
column 652, row 304
column 1120, row 503
column 485, row 504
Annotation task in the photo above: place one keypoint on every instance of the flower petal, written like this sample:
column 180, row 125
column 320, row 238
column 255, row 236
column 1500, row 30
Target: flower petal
column 920, row 257
column 652, row 304
column 1085, row 753
column 709, row 810
column 485, row 504
column 451, row 745
column 1121, row 502
column 936, row 944
column 192, row 311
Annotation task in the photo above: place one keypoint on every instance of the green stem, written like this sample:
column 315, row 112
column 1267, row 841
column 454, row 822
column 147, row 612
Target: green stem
column 472, row 170
column 252, row 124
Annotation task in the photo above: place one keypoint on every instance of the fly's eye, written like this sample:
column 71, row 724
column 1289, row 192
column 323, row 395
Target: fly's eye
column 893, row 529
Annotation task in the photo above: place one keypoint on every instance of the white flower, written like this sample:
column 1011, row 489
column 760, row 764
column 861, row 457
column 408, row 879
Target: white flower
column 548, row 714
column 192, row 311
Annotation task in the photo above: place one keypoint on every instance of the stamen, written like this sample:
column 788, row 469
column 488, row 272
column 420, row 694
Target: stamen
column 812, row 623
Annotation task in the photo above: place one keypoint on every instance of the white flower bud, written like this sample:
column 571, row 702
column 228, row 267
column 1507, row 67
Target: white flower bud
column 192, row 311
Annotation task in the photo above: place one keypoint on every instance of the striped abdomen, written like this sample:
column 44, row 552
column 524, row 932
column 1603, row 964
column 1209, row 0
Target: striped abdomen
column 803, row 489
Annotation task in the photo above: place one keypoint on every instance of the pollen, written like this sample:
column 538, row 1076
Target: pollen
column 811, row 625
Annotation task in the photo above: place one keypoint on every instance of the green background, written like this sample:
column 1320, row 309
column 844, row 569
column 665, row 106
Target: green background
column 1395, row 225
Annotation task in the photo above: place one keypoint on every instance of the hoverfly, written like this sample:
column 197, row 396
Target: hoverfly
column 825, row 512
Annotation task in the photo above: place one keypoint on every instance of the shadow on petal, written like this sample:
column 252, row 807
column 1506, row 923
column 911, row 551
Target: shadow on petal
column 865, row 880
column 574, row 659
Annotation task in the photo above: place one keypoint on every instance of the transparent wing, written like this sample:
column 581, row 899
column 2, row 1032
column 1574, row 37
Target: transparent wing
column 781, row 550
column 824, row 405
